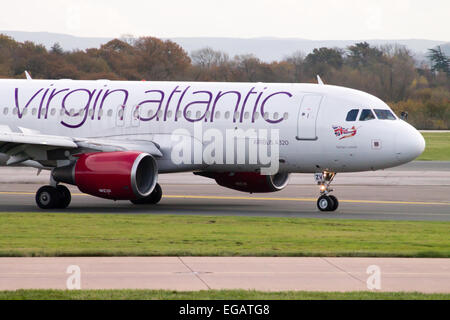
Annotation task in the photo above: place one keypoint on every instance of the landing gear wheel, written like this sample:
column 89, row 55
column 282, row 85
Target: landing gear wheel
column 48, row 197
column 325, row 203
column 336, row 203
column 153, row 198
column 65, row 196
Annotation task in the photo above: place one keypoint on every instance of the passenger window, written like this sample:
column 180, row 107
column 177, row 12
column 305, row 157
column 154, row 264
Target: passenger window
column 384, row 114
column 366, row 115
column 352, row 115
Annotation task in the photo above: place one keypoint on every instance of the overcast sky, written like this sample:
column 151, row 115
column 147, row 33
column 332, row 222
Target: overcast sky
column 317, row 20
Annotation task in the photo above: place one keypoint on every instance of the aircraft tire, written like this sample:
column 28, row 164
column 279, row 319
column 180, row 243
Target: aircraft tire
column 336, row 203
column 48, row 197
column 325, row 203
column 65, row 197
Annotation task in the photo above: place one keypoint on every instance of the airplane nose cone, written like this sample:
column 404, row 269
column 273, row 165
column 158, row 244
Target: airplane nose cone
column 410, row 144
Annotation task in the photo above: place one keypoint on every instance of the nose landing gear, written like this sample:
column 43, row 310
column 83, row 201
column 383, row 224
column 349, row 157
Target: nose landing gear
column 326, row 202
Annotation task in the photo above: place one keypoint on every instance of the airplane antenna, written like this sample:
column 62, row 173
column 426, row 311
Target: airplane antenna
column 319, row 80
column 28, row 76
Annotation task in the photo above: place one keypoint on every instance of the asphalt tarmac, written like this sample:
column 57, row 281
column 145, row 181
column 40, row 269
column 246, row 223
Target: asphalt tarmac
column 417, row 191
column 356, row 202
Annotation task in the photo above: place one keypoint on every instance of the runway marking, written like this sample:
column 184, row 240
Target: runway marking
column 265, row 199
column 306, row 200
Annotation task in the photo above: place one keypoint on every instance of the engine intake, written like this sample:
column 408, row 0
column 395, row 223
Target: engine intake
column 251, row 182
column 112, row 175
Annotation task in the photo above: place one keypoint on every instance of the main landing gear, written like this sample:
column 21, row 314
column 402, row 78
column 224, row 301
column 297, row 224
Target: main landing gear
column 49, row 197
column 326, row 202
column 153, row 198
column 59, row 197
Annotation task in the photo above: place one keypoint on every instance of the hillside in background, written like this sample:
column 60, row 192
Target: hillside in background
column 275, row 49
column 446, row 48
column 391, row 73
column 266, row 49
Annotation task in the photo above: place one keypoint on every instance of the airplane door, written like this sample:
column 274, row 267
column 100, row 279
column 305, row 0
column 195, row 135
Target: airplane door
column 307, row 117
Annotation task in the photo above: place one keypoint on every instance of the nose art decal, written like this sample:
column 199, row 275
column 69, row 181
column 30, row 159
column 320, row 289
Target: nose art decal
column 344, row 133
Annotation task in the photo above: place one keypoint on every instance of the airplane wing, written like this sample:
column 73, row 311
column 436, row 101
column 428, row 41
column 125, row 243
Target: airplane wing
column 29, row 148
column 44, row 140
column 111, row 145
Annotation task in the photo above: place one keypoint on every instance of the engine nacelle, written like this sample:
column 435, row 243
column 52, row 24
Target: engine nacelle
column 112, row 175
column 251, row 182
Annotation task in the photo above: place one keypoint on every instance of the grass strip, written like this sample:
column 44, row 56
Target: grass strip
column 438, row 146
column 65, row 234
column 211, row 295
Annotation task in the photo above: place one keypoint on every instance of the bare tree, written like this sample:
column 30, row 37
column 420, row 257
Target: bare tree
column 207, row 58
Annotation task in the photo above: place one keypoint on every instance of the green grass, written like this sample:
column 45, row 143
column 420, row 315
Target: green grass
column 62, row 234
column 211, row 295
column 438, row 147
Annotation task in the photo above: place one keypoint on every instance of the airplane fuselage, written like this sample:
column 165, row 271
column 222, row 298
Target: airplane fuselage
column 314, row 133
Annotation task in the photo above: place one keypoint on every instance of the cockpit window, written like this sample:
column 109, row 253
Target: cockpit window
column 352, row 115
column 384, row 114
column 366, row 115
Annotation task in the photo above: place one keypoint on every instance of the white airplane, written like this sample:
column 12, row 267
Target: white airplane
column 113, row 138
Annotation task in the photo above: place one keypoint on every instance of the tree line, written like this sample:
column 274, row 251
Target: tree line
column 389, row 72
